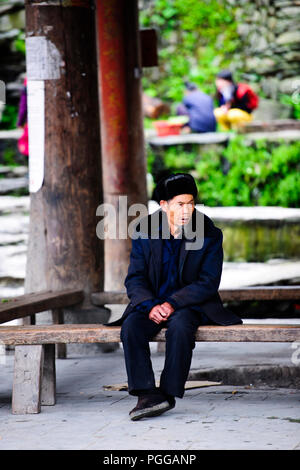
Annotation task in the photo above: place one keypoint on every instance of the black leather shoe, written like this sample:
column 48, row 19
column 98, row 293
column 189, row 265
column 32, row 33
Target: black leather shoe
column 170, row 398
column 150, row 405
column 171, row 401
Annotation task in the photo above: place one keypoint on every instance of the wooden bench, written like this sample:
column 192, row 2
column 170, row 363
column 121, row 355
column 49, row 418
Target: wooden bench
column 34, row 372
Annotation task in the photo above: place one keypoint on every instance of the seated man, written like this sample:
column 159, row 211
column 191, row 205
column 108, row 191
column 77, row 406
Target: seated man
column 199, row 108
column 173, row 283
column 236, row 101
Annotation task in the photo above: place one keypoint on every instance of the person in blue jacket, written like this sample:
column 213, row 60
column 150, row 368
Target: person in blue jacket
column 199, row 107
column 172, row 282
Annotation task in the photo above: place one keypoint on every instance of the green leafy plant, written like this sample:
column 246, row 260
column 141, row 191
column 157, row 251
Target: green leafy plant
column 293, row 101
column 178, row 159
column 242, row 174
column 9, row 117
column 19, row 43
column 259, row 174
column 9, row 154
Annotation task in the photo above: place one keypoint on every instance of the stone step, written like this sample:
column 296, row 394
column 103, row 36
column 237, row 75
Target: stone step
column 13, row 171
column 221, row 138
column 257, row 233
column 8, row 185
column 14, row 204
column 11, row 134
column 271, row 126
column 182, row 139
column 287, row 135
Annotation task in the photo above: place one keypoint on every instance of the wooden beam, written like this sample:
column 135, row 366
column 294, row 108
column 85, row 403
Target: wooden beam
column 29, row 304
column 149, row 54
column 88, row 333
column 227, row 295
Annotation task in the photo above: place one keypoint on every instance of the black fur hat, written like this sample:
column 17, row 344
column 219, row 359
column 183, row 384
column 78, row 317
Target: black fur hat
column 173, row 185
column 226, row 75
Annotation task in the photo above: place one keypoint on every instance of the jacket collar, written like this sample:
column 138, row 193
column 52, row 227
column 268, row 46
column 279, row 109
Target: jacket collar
column 156, row 244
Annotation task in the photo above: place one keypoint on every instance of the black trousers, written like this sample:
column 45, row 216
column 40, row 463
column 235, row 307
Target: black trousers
column 136, row 332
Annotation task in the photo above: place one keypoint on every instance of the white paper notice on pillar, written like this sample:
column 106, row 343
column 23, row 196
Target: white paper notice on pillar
column 36, row 133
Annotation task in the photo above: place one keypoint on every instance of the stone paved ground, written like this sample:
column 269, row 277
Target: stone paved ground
column 87, row 417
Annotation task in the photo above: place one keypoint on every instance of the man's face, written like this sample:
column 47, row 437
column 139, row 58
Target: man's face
column 222, row 84
column 179, row 209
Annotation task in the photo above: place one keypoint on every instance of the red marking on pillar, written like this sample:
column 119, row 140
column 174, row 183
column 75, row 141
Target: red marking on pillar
column 113, row 103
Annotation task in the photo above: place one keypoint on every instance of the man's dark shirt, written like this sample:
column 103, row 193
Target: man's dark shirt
column 170, row 259
column 170, row 283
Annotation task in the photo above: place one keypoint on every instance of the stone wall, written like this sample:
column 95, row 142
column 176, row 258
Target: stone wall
column 270, row 44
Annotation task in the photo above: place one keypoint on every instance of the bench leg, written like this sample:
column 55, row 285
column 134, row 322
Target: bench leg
column 49, row 376
column 26, row 397
column 58, row 319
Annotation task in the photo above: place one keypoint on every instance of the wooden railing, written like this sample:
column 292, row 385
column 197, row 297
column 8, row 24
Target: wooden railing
column 29, row 304
column 243, row 294
column 227, row 295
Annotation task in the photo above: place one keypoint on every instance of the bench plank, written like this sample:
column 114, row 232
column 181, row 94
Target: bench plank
column 29, row 304
column 227, row 295
column 95, row 333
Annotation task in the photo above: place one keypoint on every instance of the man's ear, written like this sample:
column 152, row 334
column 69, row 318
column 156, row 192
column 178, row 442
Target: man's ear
column 163, row 205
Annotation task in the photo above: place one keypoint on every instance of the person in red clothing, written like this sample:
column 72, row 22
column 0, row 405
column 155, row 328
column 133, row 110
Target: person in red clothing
column 22, row 121
column 237, row 101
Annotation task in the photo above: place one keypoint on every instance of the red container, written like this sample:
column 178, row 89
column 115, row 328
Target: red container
column 164, row 128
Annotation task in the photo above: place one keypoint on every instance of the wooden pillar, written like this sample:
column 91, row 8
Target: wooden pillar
column 123, row 156
column 64, row 250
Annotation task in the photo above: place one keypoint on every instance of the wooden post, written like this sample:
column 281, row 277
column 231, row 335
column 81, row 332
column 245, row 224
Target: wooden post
column 27, row 384
column 61, row 56
column 48, row 393
column 58, row 319
column 123, row 157
column 34, row 378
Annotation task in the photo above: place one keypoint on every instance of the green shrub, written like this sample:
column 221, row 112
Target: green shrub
column 242, row 174
column 9, row 117
column 179, row 160
column 19, row 43
column 260, row 174
column 293, row 101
